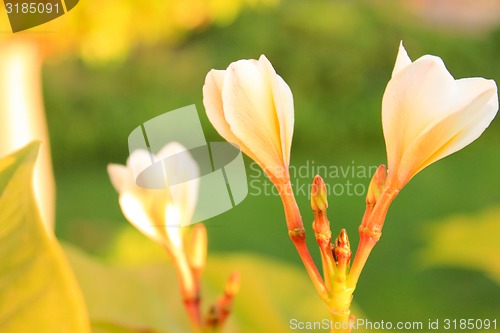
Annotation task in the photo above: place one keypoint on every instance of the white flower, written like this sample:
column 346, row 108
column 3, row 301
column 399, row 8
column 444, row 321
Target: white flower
column 154, row 211
column 252, row 106
column 428, row 115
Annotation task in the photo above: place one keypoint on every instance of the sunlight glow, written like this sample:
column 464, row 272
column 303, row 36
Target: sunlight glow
column 22, row 118
column 173, row 224
column 134, row 212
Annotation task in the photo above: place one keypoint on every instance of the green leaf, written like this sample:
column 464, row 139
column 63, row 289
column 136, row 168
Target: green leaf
column 465, row 241
column 119, row 301
column 37, row 288
column 144, row 297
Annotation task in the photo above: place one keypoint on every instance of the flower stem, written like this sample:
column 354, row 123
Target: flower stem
column 297, row 234
column 328, row 266
column 340, row 301
column 344, row 286
column 190, row 288
column 321, row 227
column 365, row 246
column 370, row 232
column 340, row 281
column 339, row 308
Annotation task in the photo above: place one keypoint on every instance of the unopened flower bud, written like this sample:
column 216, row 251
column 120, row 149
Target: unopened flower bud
column 319, row 203
column 219, row 312
column 319, row 200
column 197, row 251
column 376, row 185
column 342, row 249
column 232, row 286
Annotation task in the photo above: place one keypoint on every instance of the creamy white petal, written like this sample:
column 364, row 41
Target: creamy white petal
column 460, row 128
column 139, row 161
column 183, row 173
column 146, row 208
column 134, row 210
column 178, row 163
column 421, row 94
column 170, row 149
column 175, row 236
column 249, row 111
column 283, row 102
column 476, row 116
column 212, row 100
column 120, row 175
column 402, row 60
column 256, row 112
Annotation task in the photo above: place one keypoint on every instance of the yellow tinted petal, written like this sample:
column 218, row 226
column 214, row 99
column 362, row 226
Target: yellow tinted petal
column 283, row 102
column 134, row 210
column 212, row 100
column 139, row 161
column 473, row 113
column 250, row 112
column 182, row 172
column 402, row 60
column 421, row 94
column 120, row 176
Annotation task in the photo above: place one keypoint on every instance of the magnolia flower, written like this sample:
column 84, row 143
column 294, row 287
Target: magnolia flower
column 428, row 115
column 252, row 106
column 154, row 211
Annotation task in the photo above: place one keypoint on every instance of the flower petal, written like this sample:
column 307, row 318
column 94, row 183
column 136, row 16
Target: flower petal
column 135, row 212
column 212, row 100
column 402, row 60
column 421, row 94
column 170, row 149
column 476, row 109
column 250, row 112
column 483, row 117
column 182, row 172
column 139, row 161
column 120, row 176
column 283, row 102
column 179, row 165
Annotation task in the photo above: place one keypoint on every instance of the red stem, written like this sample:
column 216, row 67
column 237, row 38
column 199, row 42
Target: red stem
column 297, row 234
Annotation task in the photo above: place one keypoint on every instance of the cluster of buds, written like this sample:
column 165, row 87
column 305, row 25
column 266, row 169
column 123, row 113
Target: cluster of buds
column 342, row 254
column 335, row 257
column 219, row 312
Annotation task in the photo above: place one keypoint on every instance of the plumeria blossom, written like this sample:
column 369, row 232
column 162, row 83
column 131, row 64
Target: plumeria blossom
column 428, row 115
column 252, row 106
column 154, row 211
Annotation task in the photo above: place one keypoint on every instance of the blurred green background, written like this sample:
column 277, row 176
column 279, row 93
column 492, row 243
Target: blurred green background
column 337, row 57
